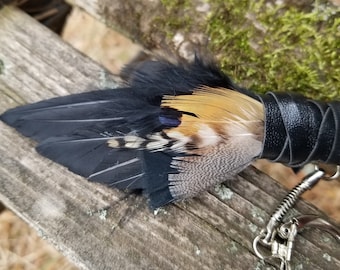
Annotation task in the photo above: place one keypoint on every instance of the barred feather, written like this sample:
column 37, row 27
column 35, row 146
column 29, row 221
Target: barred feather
column 174, row 131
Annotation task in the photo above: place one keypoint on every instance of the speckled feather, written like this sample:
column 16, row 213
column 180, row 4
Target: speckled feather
column 172, row 132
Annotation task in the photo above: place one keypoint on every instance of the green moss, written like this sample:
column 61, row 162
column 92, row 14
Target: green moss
column 270, row 47
column 176, row 16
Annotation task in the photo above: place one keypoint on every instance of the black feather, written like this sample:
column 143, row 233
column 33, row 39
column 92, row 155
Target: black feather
column 74, row 130
column 178, row 79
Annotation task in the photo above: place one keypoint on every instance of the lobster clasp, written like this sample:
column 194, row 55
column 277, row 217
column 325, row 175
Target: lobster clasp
column 281, row 244
column 279, row 237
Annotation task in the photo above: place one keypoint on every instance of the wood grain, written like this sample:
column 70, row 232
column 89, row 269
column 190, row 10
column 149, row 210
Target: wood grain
column 102, row 228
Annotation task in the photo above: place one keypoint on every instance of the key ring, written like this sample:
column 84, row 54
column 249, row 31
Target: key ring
column 307, row 183
column 278, row 236
column 326, row 168
column 281, row 246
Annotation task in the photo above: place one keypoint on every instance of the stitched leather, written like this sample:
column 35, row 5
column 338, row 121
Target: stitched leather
column 298, row 130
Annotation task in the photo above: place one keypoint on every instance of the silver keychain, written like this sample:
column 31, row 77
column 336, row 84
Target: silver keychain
column 278, row 237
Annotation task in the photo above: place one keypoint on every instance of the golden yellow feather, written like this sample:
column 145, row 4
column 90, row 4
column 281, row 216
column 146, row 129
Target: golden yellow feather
column 210, row 116
column 227, row 112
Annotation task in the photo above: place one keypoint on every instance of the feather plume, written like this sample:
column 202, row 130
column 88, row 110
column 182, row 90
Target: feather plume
column 172, row 132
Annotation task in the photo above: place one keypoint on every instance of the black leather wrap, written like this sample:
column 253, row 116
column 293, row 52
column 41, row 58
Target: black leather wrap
column 299, row 130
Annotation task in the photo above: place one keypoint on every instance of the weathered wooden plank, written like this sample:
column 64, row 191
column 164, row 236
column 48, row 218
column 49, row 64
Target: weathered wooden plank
column 101, row 228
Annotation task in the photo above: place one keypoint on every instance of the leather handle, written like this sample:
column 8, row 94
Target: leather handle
column 299, row 130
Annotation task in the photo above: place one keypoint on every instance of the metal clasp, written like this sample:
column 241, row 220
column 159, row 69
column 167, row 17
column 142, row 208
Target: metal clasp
column 332, row 172
column 279, row 237
column 281, row 246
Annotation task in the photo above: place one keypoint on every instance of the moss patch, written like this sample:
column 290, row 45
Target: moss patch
column 177, row 15
column 278, row 47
